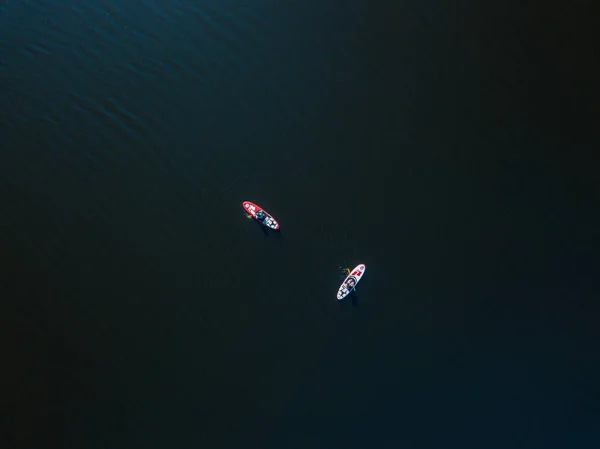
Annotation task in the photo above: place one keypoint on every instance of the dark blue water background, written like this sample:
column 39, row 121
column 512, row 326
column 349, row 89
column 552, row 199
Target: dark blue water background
column 424, row 139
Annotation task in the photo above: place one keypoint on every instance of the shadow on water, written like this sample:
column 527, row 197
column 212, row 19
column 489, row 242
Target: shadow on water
column 268, row 232
column 352, row 298
column 263, row 228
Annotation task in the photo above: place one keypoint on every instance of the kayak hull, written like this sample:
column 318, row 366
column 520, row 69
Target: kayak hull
column 253, row 209
column 355, row 276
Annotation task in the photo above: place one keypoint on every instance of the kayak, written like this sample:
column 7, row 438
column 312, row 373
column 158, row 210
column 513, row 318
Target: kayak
column 350, row 282
column 267, row 220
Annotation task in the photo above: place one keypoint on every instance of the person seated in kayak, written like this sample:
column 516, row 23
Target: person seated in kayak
column 260, row 215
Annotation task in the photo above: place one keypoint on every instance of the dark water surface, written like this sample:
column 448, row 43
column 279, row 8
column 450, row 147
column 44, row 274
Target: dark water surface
column 432, row 141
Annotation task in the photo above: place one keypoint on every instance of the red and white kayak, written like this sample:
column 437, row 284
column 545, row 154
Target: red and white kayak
column 350, row 282
column 260, row 215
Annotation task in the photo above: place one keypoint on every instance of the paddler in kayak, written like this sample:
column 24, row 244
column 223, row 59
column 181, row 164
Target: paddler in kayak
column 350, row 283
column 260, row 215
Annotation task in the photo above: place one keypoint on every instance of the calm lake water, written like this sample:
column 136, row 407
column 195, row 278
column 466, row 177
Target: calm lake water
column 142, row 309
